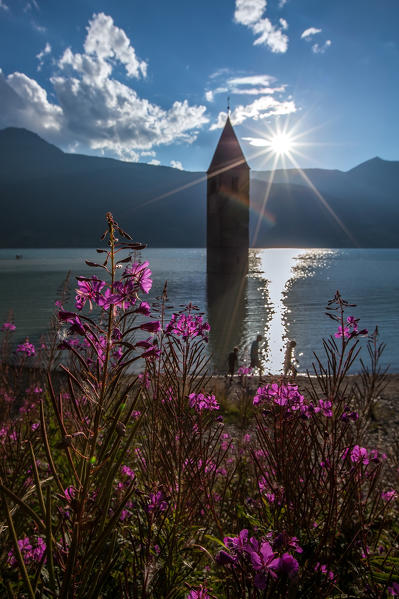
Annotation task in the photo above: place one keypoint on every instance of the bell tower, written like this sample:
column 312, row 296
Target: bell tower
column 228, row 207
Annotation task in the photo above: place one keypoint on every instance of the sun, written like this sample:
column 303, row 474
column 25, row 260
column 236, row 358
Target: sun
column 281, row 144
column 278, row 143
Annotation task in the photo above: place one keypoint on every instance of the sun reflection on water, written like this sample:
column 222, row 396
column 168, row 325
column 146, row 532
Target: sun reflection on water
column 278, row 271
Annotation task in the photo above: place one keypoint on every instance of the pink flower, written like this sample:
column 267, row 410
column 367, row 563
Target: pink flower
column 360, row 454
column 141, row 275
column 244, row 370
column 326, row 406
column 388, row 495
column 88, row 290
column 287, row 565
column 144, row 308
column 128, row 472
column 125, row 295
column 239, row 543
column 201, row 402
column 200, row 593
column 324, row 570
column 188, row 326
column 342, row 332
column 157, row 502
column 124, row 514
column 70, row 493
column 27, row 348
column 263, row 562
column 282, row 395
column 8, row 326
column 352, row 322
column 30, row 552
column 74, row 320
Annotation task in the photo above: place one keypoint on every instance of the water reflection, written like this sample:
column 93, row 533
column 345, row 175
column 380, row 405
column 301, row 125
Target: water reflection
column 227, row 309
column 277, row 273
column 282, row 298
column 270, row 302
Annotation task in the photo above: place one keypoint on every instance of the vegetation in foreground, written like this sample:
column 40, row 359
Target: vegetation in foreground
column 117, row 485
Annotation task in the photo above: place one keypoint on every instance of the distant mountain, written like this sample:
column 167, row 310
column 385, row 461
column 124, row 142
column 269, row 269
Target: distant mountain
column 364, row 201
column 53, row 199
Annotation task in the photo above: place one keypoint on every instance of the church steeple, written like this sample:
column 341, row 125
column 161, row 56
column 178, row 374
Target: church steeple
column 228, row 153
column 228, row 206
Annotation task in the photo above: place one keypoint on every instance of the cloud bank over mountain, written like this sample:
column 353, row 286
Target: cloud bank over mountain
column 92, row 105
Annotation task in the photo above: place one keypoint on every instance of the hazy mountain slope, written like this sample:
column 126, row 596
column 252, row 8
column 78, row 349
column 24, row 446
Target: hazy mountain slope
column 373, row 179
column 53, row 199
column 294, row 216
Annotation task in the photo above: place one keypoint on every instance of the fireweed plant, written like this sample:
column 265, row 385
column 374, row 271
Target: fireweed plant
column 131, row 485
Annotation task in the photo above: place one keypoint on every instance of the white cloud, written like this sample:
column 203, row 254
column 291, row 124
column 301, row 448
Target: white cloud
column 93, row 108
column 270, row 36
column 24, row 103
column 209, row 96
column 309, row 33
column 219, row 73
column 250, row 13
column 220, row 122
column 3, row 5
column 252, row 85
column 321, row 48
column 154, row 162
column 46, row 50
column 260, row 109
column 31, row 5
column 176, row 164
column 148, row 153
column 37, row 27
column 283, row 23
column 252, row 80
column 282, row 3
column 107, row 41
column 317, row 48
column 257, row 91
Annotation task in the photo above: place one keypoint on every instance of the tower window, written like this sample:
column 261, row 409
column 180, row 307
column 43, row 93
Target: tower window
column 234, row 184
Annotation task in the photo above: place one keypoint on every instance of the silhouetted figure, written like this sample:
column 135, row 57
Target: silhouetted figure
column 233, row 361
column 254, row 354
column 289, row 359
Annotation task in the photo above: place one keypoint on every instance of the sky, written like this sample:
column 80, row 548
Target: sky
column 150, row 81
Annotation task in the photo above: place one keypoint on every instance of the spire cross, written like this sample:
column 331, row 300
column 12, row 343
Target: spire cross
column 228, row 105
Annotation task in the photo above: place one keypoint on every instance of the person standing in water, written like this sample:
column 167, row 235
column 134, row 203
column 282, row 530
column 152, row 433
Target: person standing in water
column 233, row 361
column 289, row 359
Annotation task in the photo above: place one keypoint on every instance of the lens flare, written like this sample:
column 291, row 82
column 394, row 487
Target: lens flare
column 281, row 143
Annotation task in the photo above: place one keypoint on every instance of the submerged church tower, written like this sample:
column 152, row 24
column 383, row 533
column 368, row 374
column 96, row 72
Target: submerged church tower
column 228, row 207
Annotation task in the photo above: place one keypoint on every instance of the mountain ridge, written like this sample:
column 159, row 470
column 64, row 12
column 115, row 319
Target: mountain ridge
column 58, row 199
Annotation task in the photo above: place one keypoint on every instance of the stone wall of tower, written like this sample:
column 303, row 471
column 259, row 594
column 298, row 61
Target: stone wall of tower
column 228, row 220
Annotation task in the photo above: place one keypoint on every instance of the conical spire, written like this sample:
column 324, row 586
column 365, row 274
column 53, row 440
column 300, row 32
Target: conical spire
column 228, row 153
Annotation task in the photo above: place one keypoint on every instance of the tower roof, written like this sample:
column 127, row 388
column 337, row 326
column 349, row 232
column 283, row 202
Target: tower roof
column 228, row 153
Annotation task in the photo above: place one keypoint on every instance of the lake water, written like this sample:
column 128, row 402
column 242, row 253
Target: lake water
column 283, row 297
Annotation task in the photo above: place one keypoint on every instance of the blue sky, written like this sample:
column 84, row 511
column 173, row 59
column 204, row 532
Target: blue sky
column 148, row 80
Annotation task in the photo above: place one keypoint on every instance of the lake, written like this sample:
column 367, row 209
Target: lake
column 283, row 297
